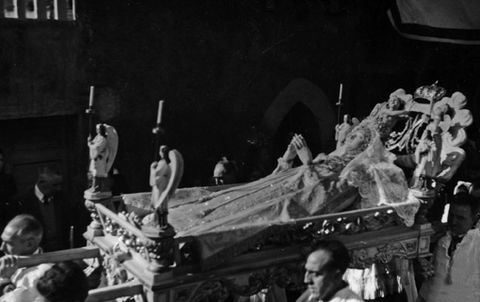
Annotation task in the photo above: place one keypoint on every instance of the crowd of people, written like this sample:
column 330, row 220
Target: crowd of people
column 455, row 275
column 47, row 282
column 33, row 221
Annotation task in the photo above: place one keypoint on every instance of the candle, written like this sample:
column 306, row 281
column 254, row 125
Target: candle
column 90, row 100
column 159, row 113
column 71, row 237
column 340, row 92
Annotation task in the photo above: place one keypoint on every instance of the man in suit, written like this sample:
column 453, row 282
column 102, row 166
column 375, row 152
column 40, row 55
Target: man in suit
column 45, row 202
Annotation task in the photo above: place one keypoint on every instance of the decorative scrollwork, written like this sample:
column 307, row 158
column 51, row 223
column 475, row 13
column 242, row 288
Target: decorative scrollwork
column 289, row 275
column 312, row 231
column 211, row 291
column 364, row 257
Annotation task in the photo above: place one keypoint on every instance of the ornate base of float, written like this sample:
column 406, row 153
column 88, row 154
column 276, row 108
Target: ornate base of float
column 174, row 268
column 162, row 252
column 426, row 198
column 95, row 228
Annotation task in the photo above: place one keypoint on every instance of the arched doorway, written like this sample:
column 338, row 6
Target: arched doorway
column 302, row 107
column 300, row 119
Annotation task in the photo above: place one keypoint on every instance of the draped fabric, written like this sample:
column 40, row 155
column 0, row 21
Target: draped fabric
column 227, row 222
column 437, row 20
column 380, row 182
column 224, row 219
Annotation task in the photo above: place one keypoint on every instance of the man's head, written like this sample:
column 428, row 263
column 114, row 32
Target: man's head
column 463, row 213
column 325, row 267
column 49, row 182
column 22, row 235
column 64, row 282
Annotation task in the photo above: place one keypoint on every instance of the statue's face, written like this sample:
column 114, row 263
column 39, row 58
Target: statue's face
column 394, row 103
column 346, row 118
column 354, row 140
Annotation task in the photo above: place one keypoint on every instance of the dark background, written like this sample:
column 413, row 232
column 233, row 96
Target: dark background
column 237, row 76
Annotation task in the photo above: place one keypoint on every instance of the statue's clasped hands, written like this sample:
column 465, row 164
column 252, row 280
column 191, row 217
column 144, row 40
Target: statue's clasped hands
column 302, row 149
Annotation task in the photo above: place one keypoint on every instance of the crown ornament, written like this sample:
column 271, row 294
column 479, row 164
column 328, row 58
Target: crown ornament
column 431, row 93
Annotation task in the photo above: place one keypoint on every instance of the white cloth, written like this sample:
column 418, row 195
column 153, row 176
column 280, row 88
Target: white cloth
column 343, row 295
column 346, row 295
column 25, row 281
column 464, row 271
column 39, row 194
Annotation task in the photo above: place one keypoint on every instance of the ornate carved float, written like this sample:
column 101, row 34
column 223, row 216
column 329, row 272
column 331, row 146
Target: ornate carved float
column 144, row 256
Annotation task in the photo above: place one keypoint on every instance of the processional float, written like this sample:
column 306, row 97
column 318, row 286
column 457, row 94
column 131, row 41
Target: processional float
column 146, row 257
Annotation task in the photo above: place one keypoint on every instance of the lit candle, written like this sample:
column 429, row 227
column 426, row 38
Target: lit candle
column 340, row 92
column 90, row 100
column 159, row 113
column 71, row 237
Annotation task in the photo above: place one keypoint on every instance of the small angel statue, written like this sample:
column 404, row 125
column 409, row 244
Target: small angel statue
column 342, row 130
column 165, row 175
column 102, row 149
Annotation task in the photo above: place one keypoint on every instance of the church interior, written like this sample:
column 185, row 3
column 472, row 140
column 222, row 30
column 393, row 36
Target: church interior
column 228, row 86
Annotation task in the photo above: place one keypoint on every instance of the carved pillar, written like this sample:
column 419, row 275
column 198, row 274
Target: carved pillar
column 95, row 227
column 161, row 251
column 424, row 190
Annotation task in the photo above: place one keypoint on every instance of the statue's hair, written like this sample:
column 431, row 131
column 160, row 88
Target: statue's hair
column 368, row 131
column 27, row 227
column 102, row 129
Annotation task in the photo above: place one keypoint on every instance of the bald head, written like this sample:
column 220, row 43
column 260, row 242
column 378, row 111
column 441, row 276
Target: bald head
column 338, row 255
column 324, row 268
column 22, row 235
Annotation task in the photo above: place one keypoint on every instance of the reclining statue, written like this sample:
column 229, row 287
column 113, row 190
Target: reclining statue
column 331, row 183
column 324, row 184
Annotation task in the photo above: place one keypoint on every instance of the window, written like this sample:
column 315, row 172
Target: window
column 63, row 10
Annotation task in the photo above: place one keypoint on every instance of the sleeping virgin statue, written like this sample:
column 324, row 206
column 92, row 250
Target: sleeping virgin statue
column 324, row 184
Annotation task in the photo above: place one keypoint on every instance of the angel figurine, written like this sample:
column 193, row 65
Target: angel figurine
column 342, row 130
column 102, row 149
column 165, row 175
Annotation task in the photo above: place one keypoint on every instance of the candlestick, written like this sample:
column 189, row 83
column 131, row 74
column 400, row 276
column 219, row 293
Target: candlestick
column 159, row 113
column 71, row 237
column 340, row 92
column 90, row 100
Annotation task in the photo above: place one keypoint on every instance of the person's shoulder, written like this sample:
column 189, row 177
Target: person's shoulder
column 22, row 295
column 474, row 234
column 347, row 295
column 304, row 296
column 32, row 273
